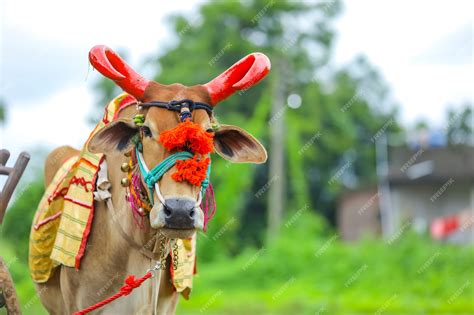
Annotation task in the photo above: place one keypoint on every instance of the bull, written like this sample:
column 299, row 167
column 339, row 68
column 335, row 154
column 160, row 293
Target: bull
column 175, row 211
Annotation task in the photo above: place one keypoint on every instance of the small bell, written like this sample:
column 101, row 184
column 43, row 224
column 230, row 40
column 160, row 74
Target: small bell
column 125, row 182
column 125, row 167
column 141, row 211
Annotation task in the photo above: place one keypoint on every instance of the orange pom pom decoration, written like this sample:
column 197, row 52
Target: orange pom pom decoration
column 192, row 170
column 190, row 135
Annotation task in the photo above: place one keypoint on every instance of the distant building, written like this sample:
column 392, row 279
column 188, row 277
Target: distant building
column 358, row 214
column 417, row 186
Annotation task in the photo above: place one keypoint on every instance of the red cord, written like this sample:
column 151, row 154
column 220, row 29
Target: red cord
column 88, row 186
column 130, row 284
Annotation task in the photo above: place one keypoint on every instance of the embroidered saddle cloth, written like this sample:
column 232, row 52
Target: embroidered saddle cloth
column 64, row 216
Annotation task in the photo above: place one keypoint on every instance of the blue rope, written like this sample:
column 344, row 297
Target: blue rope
column 205, row 182
column 154, row 175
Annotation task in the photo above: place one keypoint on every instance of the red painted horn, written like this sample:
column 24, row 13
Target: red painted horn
column 111, row 65
column 245, row 73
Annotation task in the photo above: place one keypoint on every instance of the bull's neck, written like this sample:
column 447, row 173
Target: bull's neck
column 143, row 236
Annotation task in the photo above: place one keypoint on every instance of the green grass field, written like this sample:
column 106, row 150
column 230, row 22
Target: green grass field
column 300, row 274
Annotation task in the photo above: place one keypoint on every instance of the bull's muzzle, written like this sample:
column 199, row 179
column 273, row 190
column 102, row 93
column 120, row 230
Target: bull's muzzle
column 179, row 213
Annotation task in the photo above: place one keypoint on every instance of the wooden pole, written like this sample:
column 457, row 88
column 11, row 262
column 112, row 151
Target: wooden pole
column 277, row 176
column 8, row 290
column 14, row 174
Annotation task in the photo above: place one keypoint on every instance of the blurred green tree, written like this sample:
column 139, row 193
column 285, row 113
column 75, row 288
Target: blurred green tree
column 331, row 116
column 3, row 112
column 17, row 224
column 459, row 125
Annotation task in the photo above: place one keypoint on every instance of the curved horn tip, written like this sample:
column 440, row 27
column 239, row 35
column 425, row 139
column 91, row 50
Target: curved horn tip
column 260, row 68
column 100, row 48
column 100, row 60
column 264, row 59
column 111, row 65
column 99, row 51
column 245, row 73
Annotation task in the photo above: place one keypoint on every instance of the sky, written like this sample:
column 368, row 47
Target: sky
column 422, row 48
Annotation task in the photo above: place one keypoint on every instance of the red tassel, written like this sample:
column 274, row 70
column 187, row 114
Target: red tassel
column 192, row 170
column 188, row 134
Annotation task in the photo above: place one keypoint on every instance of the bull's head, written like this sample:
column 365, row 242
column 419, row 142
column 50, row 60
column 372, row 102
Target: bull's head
column 176, row 208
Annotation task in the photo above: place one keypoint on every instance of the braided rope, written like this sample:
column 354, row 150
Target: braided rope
column 130, row 284
column 151, row 177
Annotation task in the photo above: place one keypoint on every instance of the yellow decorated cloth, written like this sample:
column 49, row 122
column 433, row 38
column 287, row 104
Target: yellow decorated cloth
column 45, row 227
column 64, row 216
column 183, row 275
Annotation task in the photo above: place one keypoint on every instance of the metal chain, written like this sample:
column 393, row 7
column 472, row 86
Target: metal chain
column 175, row 255
column 164, row 253
column 160, row 265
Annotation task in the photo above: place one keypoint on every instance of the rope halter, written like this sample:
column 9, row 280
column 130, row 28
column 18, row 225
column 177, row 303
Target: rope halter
column 153, row 176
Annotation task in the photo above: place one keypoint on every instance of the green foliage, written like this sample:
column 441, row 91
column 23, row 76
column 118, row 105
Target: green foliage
column 18, row 268
column 3, row 112
column 303, row 274
column 17, row 223
column 342, row 108
column 14, row 242
column 228, row 179
column 459, row 125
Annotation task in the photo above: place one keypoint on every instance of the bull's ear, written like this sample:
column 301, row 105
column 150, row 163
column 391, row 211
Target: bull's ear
column 238, row 146
column 115, row 137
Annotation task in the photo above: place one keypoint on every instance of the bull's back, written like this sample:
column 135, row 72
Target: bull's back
column 55, row 159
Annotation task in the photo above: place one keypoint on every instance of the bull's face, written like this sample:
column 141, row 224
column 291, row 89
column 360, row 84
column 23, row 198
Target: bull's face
column 176, row 208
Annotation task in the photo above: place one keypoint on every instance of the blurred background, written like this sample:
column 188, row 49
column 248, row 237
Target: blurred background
column 366, row 203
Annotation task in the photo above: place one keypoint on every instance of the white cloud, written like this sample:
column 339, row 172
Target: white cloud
column 136, row 25
column 41, row 46
column 57, row 120
column 60, row 119
column 395, row 35
column 391, row 34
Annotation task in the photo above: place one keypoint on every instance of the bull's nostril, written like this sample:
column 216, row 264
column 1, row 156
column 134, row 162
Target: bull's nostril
column 180, row 213
column 167, row 211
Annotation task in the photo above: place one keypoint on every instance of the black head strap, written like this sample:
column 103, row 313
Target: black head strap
column 177, row 106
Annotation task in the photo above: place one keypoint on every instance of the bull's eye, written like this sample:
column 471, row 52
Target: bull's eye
column 210, row 130
column 146, row 131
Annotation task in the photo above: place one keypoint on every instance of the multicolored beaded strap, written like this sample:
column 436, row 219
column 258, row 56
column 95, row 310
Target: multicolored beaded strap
column 152, row 177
